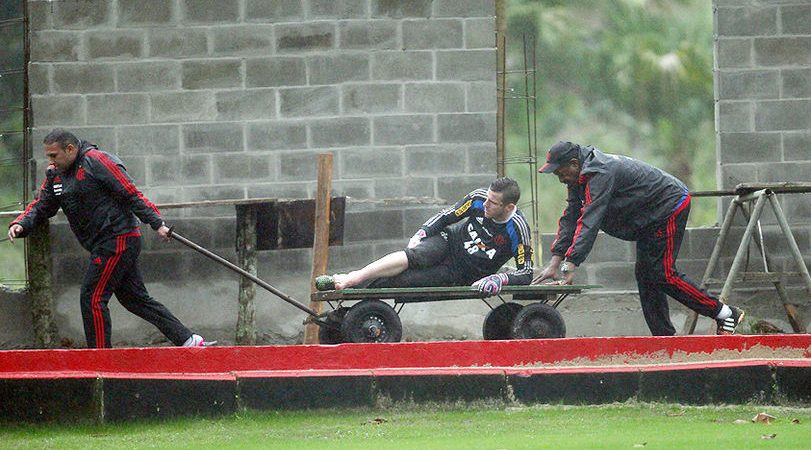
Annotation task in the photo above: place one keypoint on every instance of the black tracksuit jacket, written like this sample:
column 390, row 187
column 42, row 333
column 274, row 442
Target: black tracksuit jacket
column 622, row 196
column 97, row 196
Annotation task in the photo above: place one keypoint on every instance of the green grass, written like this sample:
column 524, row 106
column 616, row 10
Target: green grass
column 619, row 426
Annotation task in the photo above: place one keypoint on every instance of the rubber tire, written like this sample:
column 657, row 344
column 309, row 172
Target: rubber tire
column 538, row 321
column 498, row 324
column 355, row 326
column 327, row 335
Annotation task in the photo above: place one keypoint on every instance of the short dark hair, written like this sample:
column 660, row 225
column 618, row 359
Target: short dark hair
column 62, row 137
column 510, row 192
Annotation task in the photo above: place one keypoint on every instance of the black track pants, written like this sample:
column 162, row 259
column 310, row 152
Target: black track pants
column 657, row 276
column 114, row 269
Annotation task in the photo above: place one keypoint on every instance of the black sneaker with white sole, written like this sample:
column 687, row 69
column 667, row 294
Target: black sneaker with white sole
column 727, row 326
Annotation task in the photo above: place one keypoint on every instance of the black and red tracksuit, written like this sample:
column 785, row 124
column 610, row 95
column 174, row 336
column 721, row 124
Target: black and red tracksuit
column 634, row 201
column 103, row 206
column 462, row 246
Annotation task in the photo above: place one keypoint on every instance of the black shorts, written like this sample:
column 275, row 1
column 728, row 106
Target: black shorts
column 429, row 264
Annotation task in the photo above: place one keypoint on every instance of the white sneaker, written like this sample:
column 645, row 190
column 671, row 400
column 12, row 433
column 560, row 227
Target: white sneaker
column 195, row 340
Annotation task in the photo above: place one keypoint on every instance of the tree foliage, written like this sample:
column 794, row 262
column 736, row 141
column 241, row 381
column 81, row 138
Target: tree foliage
column 629, row 76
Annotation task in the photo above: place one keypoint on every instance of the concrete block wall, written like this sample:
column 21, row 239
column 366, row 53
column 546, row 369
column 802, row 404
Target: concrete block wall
column 234, row 99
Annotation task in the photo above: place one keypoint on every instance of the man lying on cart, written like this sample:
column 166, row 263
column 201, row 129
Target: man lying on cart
column 460, row 246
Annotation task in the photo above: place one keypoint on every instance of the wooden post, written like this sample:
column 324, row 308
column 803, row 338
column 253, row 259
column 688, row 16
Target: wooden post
column 246, row 258
column 321, row 236
column 39, row 287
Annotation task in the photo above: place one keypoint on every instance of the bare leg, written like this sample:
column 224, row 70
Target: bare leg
column 387, row 266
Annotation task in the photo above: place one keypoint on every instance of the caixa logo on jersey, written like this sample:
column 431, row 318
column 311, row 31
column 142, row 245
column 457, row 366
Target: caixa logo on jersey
column 57, row 185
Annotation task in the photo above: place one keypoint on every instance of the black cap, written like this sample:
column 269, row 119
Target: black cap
column 558, row 154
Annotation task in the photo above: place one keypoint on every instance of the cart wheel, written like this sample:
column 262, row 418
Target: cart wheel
column 538, row 321
column 499, row 321
column 371, row 321
column 332, row 334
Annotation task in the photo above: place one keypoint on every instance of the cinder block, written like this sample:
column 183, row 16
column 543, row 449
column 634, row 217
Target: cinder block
column 298, row 166
column 698, row 243
column 243, row 40
column 470, row 8
column 233, row 168
column 116, row 44
column 246, row 104
column 49, row 46
column 136, row 168
column 796, row 82
column 613, row 275
column 194, row 170
column 280, row 190
column 305, row 37
column 111, row 109
column 79, row 15
column 83, row 78
column 212, row 73
column 277, row 71
column 433, row 33
column 371, row 98
column 338, row 68
column 413, row 129
column 397, row 9
column 610, row 249
column 782, row 172
column 340, row 132
column 276, row 11
column 779, row 51
column 39, row 16
column 277, row 135
column 373, row 225
column 50, row 400
column 451, row 189
column 177, row 42
column 746, row 21
column 183, row 106
column 783, row 114
column 126, row 399
column 209, row 11
column 433, row 159
column 467, row 65
column 796, row 145
column 103, row 137
column 736, row 385
column 753, row 84
column 341, row 9
column 796, row 19
column 405, row 65
column 363, row 34
column 733, row 53
column 480, row 33
column 472, row 127
column 481, row 158
column 306, row 392
column 735, row 174
column 398, row 188
column 213, row 138
column 145, row 12
column 356, row 189
column 481, row 96
column 148, row 140
column 748, row 147
column 38, row 78
column 441, row 388
column 735, row 116
column 575, row 388
column 434, row 97
column 308, row 101
column 148, row 76
column 363, row 163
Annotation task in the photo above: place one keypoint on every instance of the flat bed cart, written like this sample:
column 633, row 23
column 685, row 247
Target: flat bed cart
column 373, row 320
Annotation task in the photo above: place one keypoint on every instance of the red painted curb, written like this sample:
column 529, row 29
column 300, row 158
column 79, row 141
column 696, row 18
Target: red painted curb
column 516, row 355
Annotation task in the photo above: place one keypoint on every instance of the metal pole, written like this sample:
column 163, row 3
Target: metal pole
column 747, row 236
column 792, row 244
column 242, row 272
